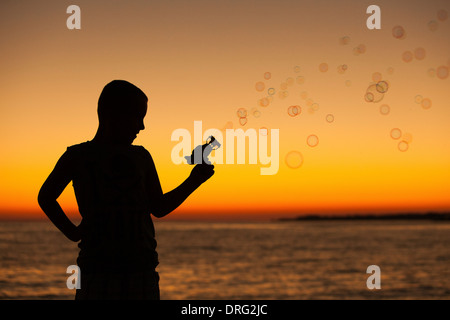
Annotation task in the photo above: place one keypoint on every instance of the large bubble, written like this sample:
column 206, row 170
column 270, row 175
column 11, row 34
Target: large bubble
column 372, row 94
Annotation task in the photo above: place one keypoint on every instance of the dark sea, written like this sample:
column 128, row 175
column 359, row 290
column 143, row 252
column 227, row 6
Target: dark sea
column 289, row 260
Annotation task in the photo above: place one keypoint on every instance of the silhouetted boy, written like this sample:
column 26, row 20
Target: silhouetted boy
column 117, row 187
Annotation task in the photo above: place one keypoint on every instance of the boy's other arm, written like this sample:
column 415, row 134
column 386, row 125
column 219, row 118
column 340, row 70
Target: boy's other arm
column 164, row 203
column 52, row 188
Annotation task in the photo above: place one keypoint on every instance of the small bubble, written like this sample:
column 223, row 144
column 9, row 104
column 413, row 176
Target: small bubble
column 283, row 86
column 385, row 109
column 264, row 102
column 271, row 91
column 329, row 118
column 242, row 113
column 342, row 68
column 315, row 106
column 407, row 137
column 256, row 113
column 259, row 86
column 376, row 76
column 361, row 48
column 369, row 97
column 390, row 70
column 294, row 159
column 348, row 83
column 382, row 86
column 296, row 69
column 267, row 75
column 312, row 140
column 418, row 99
column 433, row 25
column 283, row 94
column 344, row 40
column 426, row 103
column 300, row 80
column 431, row 72
column 407, row 56
column 242, row 121
column 442, row 72
column 419, row 53
column 442, row 15
column 294, row 111
column 396, row 133
column 398, row 32
column 323, row 67
column 309, row 102
column 403, row 146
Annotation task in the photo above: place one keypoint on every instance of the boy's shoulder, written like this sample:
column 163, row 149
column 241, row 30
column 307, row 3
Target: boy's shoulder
column 89, row 146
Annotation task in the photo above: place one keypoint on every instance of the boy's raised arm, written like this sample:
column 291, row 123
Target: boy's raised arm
column 52, row 188
column 164, row 203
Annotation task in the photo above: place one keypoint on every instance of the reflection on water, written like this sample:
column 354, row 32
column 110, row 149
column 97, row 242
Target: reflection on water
column 267, row 260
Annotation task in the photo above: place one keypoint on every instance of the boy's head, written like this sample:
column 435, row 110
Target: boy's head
column 122, row 107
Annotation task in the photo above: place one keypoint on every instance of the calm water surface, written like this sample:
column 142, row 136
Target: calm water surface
column 263, row 260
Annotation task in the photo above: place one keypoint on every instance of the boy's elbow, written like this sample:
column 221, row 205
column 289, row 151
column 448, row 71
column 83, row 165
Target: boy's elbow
column 43, row 198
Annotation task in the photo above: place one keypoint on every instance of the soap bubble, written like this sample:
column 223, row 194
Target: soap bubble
column 256, row 113
column 342, row 68
column 407, row 137
column 329, row 118
column 315, row 106
column 442, row 15
column 344, row 40
column 323, row 67
column 426, row 103
column 382, row 86
column 376, row 76
column 442, row 72
column 390, row 71
column 348, row 83
column 431, row 72
column 418, row 99
column 300, row 80
column 242, row 112
column 242, row 121
column 312, row 140
column 296, row 69
column 283, row 94
column 407, row 56
column 372, row 94
column 271, row 91
column 398, row 32
column 264, row 102
column 419, row 53
column 309, row 102
column 294, row 111
column 294, row 159
column 433, row 25
column 385, row 109
column 360, row 49
column 260, row 86
column 283, row 86
column 396, row 133
column 403, row 146
column 267, row 75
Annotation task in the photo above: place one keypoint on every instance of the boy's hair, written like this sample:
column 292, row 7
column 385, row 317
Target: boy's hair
column 117, row 98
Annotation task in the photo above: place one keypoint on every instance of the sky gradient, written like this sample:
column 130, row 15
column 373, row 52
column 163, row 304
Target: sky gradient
column 201, row 61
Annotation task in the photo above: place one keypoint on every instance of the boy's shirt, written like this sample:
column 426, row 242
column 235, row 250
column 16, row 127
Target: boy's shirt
column 113, row 199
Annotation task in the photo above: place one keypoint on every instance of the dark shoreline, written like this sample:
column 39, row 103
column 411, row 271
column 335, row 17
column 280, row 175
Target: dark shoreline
column 396, row 216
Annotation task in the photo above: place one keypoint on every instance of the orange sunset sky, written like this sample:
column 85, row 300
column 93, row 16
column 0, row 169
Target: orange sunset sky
column 201, row 61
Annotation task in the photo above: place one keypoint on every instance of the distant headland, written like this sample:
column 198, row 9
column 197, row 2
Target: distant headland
column 396, row 216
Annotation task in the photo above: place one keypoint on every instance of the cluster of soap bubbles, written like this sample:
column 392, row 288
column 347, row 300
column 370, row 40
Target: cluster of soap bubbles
column 425, row 103
column 375, row 92
column 418, row 53
column 404, row 139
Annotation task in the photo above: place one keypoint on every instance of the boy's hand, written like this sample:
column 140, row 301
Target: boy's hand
column 201, row 172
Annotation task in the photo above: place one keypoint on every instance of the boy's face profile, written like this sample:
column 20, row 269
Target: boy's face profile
column 127, row 126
